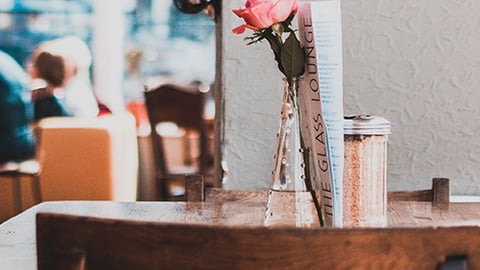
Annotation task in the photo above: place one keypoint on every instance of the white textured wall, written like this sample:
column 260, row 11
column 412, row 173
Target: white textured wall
column 416, row 63
column 252, row 87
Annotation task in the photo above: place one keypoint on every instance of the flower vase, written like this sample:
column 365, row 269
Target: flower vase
column 291, row 201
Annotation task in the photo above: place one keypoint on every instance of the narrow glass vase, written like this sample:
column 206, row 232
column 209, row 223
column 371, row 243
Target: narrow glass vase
column 291, row 201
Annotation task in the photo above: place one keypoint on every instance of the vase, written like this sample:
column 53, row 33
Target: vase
column 291, row 200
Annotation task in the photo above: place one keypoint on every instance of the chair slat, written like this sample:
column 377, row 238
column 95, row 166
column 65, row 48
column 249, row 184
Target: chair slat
column 126, row 244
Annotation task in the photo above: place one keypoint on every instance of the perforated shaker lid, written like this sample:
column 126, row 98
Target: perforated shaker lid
column 365, row 124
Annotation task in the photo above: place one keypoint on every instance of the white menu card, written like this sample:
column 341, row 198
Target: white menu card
column 321, row 94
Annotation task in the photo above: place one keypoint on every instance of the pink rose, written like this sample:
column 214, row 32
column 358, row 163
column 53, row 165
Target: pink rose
column 261, row 14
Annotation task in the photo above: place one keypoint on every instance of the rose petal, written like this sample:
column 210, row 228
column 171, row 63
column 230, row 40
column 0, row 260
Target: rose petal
column 282, row 9
column 261, row 14
column 257, row 16
column 238, row 11
column 239, row 30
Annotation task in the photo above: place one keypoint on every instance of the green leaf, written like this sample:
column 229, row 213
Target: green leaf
column 292, row 57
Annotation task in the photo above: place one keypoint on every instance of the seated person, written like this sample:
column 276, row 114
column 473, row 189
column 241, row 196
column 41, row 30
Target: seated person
column 48, row 98
column 75, row 92
column 79, row 96
column 16, row 138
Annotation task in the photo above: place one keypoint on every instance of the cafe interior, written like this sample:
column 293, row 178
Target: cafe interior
column 190, row 166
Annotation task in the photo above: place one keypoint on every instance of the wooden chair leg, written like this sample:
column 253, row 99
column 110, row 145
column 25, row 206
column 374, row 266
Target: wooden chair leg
column 17, row 194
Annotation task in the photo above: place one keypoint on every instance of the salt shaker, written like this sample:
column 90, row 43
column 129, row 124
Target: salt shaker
column 365, row 171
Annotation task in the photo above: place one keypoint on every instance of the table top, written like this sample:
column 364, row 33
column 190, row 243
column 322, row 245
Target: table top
column 17, row 235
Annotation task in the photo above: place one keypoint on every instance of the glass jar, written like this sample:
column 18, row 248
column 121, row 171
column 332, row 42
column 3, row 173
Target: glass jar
column 365, row 171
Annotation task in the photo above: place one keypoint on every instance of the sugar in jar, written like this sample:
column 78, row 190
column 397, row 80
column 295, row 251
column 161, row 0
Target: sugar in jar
column 365, row 171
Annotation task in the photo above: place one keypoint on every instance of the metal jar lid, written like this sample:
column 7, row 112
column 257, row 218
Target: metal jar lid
column 365, row 124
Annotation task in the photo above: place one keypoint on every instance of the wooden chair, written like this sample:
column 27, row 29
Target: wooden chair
column 183, row 105
column 89, row 158
column 439, row 195
column 73, row 242
column 15, row 171
column 30, row 168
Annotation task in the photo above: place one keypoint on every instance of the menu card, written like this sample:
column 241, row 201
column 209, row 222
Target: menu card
column 321, row 97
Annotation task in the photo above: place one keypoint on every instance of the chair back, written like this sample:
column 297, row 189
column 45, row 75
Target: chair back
column 183, row 105
column 74, row 242
column 196, row 191
column 89, row 158
column 439, row 194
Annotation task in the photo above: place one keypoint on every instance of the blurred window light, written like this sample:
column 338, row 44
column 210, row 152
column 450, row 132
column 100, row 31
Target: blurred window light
column 173, row 43
column 5, row 20
column 7, row 5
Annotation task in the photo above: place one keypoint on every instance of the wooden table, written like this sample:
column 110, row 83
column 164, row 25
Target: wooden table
column 17, row 235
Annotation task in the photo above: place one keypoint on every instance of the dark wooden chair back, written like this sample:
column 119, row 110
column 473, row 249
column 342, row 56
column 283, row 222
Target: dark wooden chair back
column 183, row 105
column 73, row 242
column 439, row 194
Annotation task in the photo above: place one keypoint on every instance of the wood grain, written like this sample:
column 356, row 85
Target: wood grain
column 439, row 194
column 100, row 243
column 18, row 244
column 226, row 195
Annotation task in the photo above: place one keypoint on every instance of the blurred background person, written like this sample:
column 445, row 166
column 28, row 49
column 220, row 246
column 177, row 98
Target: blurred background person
column 80, row 98
column 48, row 74
column 16, row 137
column 77, row 96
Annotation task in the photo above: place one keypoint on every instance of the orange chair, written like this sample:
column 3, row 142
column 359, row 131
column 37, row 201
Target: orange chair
column 89, row 159
column 81, row 159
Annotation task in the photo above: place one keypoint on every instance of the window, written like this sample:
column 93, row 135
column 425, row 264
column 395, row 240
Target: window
column 170, row 43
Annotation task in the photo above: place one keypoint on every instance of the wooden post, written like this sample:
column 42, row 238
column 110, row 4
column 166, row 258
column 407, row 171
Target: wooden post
column 441, row 192
column 194, row 188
